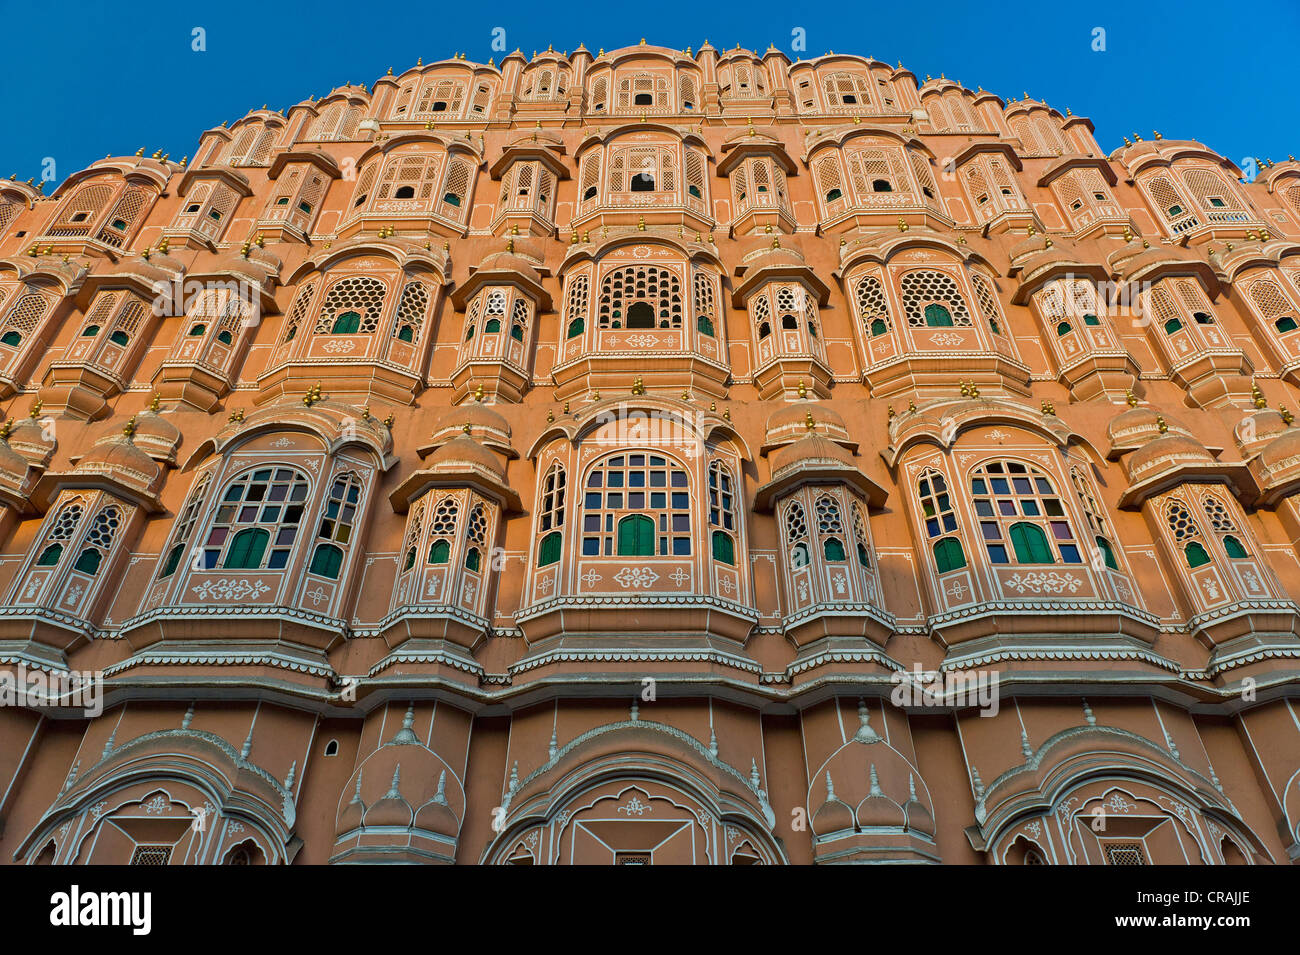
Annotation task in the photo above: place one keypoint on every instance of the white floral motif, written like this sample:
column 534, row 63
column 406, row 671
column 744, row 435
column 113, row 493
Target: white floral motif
column 229, row 589
column 97, row 810
column 1119, row 804
column 956, row 590
column 156, row 805
column 547, row 583
column 643, row 341
column 1211, row 588
column 282, row 443
column 235, row 828
column 1034, row 827
column 340, row 346
column 679, row 576
column 74, row 594
column 635, row 807
column 591, row 578
column 1037, row 583
column 316, row 595
column 727, row 586
column 432, row 589
column 946, row 339
column 636, row 577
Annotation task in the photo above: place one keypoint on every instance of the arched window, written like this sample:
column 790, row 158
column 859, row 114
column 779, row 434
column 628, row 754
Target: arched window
column 830, row 528
column 1096, row 518
column 414, row 528
column 1222, row 524
column 257, row 520
column 550, row 519
column 937, row 316
column 336, row 525
column 185, row 526
column 860, row 537
column 443, row 530
column 1016, row 504
column 576, row 309
column 1186, row 534
column 722, row 512
column 648, row 486
column 705, row 303
column 411, row 310
column 796, row 535
column 873, row 308
column 475, row 535
column 99, row 540
column 22, row 317
column 65, row 523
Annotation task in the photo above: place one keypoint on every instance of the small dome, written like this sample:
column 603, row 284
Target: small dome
column 1134, row 428
column 834, row 815
column 156, row 436
column 464, row 453
column 118, row 457
column 392, row 809
column 813, row 449
column 1282, row 452
column 789, row 424
column 511, row 262
column 32, row 440
column 1165, row 454
column 13, row 468
column 878, row 809
column 1255, row 431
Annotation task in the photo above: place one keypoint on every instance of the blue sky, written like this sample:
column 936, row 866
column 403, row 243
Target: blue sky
column 1189, row 69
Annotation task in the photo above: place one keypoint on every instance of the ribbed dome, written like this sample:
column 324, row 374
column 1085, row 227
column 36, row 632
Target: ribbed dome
column 1256, row 430
column 120, row 458
column 812, row 449
column 1279, row 452
column 511, row 262
column 1165, row 454
column 1137, row 426
column 392, row 809
column 834, row 815
column 156, row 436
column 464, row 452
column 797, row 414
column 31, row 439
column 878, row 809
column 13, row 467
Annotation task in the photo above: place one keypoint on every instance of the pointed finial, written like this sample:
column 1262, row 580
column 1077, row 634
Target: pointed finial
column 1130, row 398
column 1025, row 748
column 108, row 745
column 636, row 712
column 1087, row 714
column 865, row 733
column 188, row 718
column 753, row 773
column 875, row 782
column 551, row 747
column 394, row 790
column 514, row 776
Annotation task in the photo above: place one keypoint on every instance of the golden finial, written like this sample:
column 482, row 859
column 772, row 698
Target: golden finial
column 640, row 224
column 6, row 429
column 1137, row 138
column 1127, row 142
column 145, row 254
column 419, row 61
column 1128, row 234
column 312, row 396
column 808, row 421
column 586, row 236
column 974, row 390
column 550, row 416
column 36, row 407
column 902, row 225
column 1047, row 243
column 465, row 427
column 236, row 415
column 1257, row 396
column 128, row 429
column 889, row 412
column 573, row 240
column 713, row 406
column 163, row 246
column 637, row 387
column 244, row 249
column 1287, row 416
column 390, row 72
column 965, row 389
column 1130, row 398
column 155, row 402
column 803, row 391
column 776, row 242
column 1155, row 133
column 726, row 413
column 510, row 244
column 595, row 396
column 478, row 392
column 365, row 413
column 1160, row 424
column 566, row 407
column 911, row 406
column 140, row 151
column 686, row 394
column 388, row 422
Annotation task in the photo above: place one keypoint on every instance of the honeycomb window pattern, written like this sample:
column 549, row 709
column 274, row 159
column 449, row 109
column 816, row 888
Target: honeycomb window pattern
column 923, row 288
column 352, row 306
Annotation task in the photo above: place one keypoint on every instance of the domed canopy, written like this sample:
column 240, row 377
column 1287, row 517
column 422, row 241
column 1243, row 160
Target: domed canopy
column 790, row 423
column 1175, row 459
column 815, row 459
column 114, row 464
column 485, row 425
column 461, row 462
column 1137, row 427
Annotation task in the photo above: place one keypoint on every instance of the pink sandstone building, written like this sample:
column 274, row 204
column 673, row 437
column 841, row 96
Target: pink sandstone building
column 581, row 458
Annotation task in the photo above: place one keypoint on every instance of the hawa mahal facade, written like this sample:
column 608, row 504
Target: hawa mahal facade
column 577, row 459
